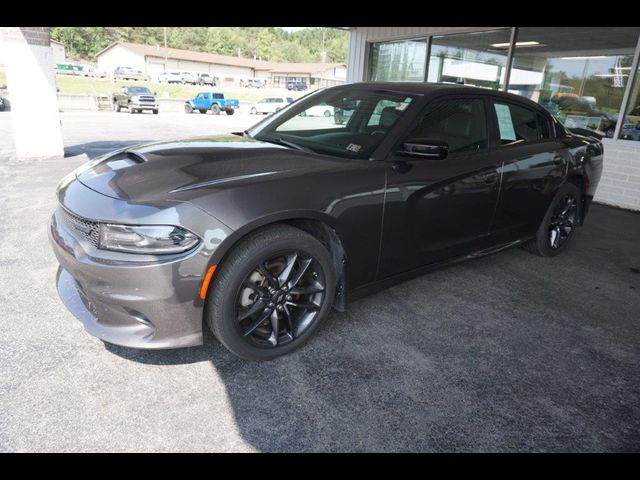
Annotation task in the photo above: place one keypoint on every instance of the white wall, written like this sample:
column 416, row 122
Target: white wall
column 28, row 64
column 119, row 56
column 201, row 67
column 58, row 53
column 620, row 182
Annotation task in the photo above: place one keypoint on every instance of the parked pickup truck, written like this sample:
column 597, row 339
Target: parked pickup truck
column 135, row 99
column 213, row 101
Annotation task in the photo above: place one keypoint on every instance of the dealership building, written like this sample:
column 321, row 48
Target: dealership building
column 587, row 76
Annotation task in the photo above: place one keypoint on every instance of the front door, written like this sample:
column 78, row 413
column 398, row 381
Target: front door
column 200, row 102
column 439, row 209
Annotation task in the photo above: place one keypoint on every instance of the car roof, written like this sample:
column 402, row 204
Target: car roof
column 421, row 88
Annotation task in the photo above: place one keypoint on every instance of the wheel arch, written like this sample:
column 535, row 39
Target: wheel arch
column 321, row 226
column 580, row 180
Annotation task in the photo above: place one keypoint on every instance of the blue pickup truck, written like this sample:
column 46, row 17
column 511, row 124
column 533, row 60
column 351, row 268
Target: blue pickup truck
column 213, row 101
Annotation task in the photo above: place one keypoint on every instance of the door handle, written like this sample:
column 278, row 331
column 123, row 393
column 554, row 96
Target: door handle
column 490, row 177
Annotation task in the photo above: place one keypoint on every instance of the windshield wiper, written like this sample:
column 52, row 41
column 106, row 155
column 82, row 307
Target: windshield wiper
column 282, row 141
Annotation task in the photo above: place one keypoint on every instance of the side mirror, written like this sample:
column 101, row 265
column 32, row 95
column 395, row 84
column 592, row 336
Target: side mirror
column 425, row 148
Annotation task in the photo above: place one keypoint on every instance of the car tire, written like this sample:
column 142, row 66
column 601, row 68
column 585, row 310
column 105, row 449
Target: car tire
column 230, row 111
column 609, row 132
column 327, row 113
column 188, row 108
column 228, row 293
column 116, row 107
column 202, row 110
column 215, row 109
column 562, row 217
column 156, row 111
column 132, row 110
column 254, row 111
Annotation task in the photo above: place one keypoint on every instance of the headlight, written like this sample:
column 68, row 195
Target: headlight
column 135, row 98
column 152, row 239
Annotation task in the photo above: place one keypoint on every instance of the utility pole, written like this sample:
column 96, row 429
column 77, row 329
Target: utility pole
column 323, row 58
column 165, row 48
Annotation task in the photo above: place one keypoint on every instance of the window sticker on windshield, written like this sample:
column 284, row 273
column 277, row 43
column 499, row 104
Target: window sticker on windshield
column 505, row 122
column 353, row 147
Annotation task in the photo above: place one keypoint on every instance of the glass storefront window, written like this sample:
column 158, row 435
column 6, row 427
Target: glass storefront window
column 398, row 61
column 475, row 59
column 631, row 127
column 579, row 74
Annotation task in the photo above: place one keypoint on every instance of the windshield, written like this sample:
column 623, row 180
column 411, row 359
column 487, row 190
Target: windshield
column 346, row 123
column 139, row 90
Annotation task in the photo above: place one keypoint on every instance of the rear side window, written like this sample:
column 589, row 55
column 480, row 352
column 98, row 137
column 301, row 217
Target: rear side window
column 459, row 122
column 519, row 124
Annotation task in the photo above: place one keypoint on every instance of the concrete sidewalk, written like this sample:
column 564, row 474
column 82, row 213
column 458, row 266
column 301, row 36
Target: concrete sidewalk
column 506, row 353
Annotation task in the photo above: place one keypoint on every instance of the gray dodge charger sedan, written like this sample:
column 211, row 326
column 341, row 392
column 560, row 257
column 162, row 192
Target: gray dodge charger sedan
column 257, row 235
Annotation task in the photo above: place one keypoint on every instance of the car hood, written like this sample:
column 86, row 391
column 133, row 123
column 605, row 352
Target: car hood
column 166, row 170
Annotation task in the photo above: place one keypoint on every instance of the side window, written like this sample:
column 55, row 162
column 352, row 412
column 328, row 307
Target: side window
column 459, row 122
column 519, row 124
column 200, row 96
column 279, row 100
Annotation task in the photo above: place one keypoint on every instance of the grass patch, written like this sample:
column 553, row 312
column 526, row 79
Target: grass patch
column 99, row 86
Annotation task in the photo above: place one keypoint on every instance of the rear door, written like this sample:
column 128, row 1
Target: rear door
column 534, row 164
column 439, row 209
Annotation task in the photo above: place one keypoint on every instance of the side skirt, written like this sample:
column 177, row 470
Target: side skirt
column 385, row 283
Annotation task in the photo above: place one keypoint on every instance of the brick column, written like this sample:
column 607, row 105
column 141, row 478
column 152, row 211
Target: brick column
column 32, row 91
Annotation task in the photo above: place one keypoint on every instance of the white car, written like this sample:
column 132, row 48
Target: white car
column 270, row 105
column 319, row 111
column 188, row 77
column 170, row 77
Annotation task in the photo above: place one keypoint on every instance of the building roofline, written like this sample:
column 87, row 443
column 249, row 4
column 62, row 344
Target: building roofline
column 189, row 55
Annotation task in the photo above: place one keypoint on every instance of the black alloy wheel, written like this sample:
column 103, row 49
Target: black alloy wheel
column 559, row 223
column 271, row 292
column 280, row 298
column 563, row 221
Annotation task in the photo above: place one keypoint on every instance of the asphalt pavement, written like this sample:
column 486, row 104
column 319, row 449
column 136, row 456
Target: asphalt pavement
column 510, row 352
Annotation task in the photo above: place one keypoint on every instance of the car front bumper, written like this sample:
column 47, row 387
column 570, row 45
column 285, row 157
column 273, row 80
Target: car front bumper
column 145, row 106
column 140, row 301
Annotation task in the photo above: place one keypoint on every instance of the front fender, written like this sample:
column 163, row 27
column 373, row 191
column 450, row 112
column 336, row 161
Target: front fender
column 233, row 238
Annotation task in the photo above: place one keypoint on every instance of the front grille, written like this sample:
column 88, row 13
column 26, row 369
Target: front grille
column 86, row 229
column 148, row 99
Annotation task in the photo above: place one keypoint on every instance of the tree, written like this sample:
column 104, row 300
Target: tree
column 265, row 43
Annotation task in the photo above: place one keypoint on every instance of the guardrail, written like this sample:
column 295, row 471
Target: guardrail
column 103, row 102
